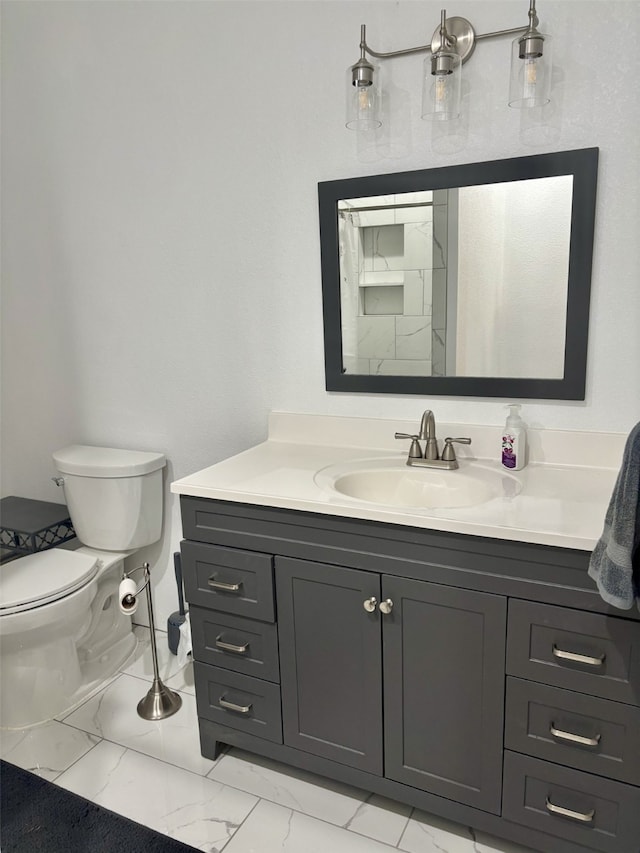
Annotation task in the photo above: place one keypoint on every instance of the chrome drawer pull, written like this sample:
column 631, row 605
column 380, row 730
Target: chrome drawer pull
column 231, row 647
column 581, row 817
column 231, row 706
column 224, row 587
column 583, row 741
column 576, row 658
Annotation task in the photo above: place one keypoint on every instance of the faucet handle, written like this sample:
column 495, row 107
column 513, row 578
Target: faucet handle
column 448, row 453
column 415, row 451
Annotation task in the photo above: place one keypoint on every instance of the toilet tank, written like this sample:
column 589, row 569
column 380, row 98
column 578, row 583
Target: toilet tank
column 114, row 496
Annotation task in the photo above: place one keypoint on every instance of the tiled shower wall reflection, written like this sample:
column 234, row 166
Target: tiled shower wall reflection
column 394, row 284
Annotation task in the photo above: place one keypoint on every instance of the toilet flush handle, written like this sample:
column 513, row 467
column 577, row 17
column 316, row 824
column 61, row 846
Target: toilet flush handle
column 59, row 481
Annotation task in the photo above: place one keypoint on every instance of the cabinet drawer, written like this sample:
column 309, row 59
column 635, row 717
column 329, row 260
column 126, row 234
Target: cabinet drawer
column 229, row 579
column 238, row 701
column 569, row 728
column 232, row 642
column 596, row 813
column 586, row 652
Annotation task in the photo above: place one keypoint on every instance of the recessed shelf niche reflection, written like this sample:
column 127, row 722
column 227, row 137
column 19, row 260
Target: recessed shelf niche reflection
column 392, row 245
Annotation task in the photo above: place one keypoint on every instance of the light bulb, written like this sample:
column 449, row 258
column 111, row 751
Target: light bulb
column 363, row 98
column 363, row 102
column 530, row 77
column 441, row 87
column 440, row 91
column 531, row 67
column 531, row 73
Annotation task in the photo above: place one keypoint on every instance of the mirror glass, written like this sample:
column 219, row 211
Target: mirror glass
column 470, row 279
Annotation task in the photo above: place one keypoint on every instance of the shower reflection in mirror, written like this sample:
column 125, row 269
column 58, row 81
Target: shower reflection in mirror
column 468, row 281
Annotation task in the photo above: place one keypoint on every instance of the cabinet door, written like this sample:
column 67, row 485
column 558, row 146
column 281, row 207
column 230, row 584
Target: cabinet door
column 444, row 651
column 330, row 662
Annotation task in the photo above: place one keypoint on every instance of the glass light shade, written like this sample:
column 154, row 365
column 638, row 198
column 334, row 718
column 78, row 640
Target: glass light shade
column 530, row 83
column 441, row 93
column 363, row 104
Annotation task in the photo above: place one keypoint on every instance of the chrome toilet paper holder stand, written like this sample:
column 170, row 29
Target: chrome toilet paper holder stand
column 160, row 702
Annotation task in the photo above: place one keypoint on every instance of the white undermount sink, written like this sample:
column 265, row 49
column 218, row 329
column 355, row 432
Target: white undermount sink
column 390, row 482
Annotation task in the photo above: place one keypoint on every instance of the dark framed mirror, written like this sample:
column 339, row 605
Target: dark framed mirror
column 468, row 280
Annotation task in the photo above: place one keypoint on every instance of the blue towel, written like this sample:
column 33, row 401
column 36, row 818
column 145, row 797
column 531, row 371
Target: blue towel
column 615, row 561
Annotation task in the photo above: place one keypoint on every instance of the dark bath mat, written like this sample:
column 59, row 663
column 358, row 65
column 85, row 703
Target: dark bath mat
column 40, row 817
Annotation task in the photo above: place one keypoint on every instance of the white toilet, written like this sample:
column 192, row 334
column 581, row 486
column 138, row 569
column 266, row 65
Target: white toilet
column 62, row 633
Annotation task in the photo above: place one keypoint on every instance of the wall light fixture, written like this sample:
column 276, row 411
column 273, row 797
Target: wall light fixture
column 451, row 45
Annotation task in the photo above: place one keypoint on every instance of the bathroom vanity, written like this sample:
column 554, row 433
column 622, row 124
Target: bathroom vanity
column 458, row 659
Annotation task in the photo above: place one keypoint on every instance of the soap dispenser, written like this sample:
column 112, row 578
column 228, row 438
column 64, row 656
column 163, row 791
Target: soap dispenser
column 514, row 440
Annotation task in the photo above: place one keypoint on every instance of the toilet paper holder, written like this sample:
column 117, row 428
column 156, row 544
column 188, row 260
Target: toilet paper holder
column 160, row 701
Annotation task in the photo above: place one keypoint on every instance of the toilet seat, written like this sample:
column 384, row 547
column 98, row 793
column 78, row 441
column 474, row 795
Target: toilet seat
column 44, row 577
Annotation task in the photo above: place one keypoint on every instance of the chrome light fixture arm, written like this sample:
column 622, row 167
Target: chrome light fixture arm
column 362, row 71
column 465, row 35
column 451, row 45
column 531, row 41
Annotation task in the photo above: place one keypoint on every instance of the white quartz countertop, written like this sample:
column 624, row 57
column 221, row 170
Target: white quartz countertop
column 558, row 504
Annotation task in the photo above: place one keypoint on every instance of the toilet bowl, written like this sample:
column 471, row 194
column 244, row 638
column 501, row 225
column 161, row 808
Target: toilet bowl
column 62, row 634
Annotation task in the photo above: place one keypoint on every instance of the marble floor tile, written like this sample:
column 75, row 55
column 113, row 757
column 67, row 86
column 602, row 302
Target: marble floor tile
column 112, row 715
column 183, row 680
column 153, row 773
column 290, row 787
column 46, row 750
column 183, row 805
column 271, row 828
column 379, row 818
column 426, row 833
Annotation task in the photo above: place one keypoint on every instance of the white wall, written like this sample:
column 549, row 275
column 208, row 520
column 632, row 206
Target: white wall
column 161, row 274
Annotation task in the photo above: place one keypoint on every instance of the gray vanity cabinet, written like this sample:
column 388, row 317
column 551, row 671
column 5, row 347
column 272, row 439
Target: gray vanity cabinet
column 436, row 661
column 384, row 657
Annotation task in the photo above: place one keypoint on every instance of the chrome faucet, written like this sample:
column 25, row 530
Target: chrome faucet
column 428, row 433
column 431, row 458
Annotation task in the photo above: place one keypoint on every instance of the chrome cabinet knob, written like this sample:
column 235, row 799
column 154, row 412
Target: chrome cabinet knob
column 370, row 604
column 386, row 606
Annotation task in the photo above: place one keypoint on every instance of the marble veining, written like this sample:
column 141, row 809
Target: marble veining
column 438, row 351
column 440, row 260
column 399, row 367
column 386, row 273
column 413, row 337
column 112, row 715
column 48, row 749
column 153, row 773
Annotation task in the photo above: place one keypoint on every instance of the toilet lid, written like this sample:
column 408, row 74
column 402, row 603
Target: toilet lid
column 43, row 577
